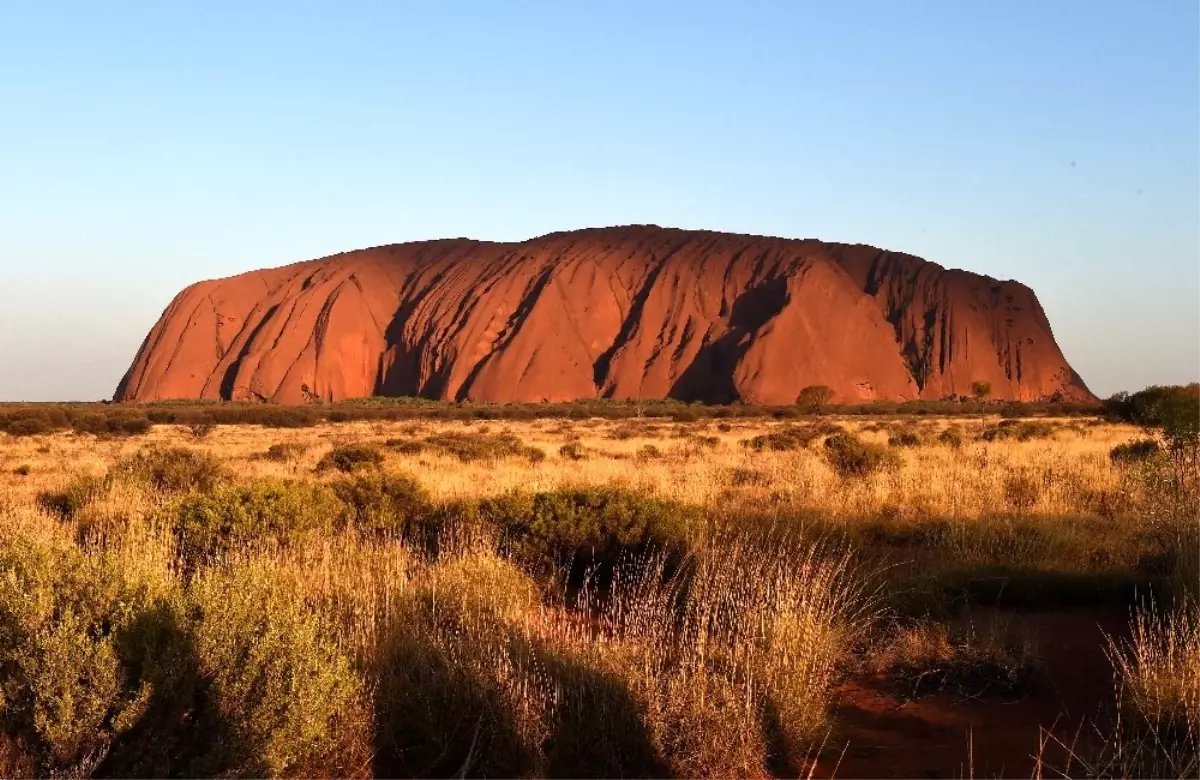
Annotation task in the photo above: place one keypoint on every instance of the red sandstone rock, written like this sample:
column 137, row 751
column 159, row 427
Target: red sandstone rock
column 627, row 312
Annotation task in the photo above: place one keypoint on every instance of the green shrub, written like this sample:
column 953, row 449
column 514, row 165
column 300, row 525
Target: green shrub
column 1177, row 417
column 282, row 699
column 469, row 447
column 242, row 516
column 1134, row 451
column 96, row 424
column 349, row 458
column 623, row 432
column 101, row 675
column 285, row 417
column 792, row 437
column 110, row 425
column 587, row 526
column 649, row 452
column 405, row 446
column 904, row 439
column 851, row 457
column 1172, row 412
column 201, row 430
column 572, row 451
column 67, row 502
column 951, row 437
column 633, row 431
column 1021, row 430
column 700, row 440
column 173, row 469
column 386, row 504
column 71, row 682
column 29, row 427
column 1006, row 429
column 285, row 452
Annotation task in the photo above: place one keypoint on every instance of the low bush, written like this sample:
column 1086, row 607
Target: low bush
column 849, row 456
column 684, row 415
column 702, row 441
column 242, row 517
column 387, row 504
column 285, row 452
column 52, row 417
column 649, row 452
column 792, row 437
column 23, row 470
column 201, row 430
column 904, row 439
column 73, row 676
column 106, row 675
column 67, row 502
column 285, row 417
column 1020, row 430
column 587, row 527
column 110, row 425
column 281, row 701
column 572, row 451
column 468, row 447
column 348, row 458
column 29, row 427
column 951, row 437
column 634, row 431
column 173, row 469
column 405, row 446
column 1134, row 451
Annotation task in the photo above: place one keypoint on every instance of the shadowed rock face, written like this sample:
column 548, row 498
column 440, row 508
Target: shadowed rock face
column 628, row 312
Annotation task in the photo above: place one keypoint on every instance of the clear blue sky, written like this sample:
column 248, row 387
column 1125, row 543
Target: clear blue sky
column 144, row 146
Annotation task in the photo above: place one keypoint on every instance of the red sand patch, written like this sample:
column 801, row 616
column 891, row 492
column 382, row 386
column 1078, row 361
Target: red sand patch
column 942, row 736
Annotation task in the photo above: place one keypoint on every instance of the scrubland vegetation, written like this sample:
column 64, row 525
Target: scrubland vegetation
column 651, row 596
column 202, row 417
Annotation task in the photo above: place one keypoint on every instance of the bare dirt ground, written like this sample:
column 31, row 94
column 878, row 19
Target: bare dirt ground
column 882, row 732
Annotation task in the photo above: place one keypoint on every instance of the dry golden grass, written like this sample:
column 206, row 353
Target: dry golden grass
column 1158, row 667
column 452, row 659
column 935, row 480
column 680, row 667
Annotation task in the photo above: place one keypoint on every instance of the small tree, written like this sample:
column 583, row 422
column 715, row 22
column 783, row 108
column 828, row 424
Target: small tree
column 1170, row 485
column 813, row 399
column 1169, row 414
column 981, row 390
